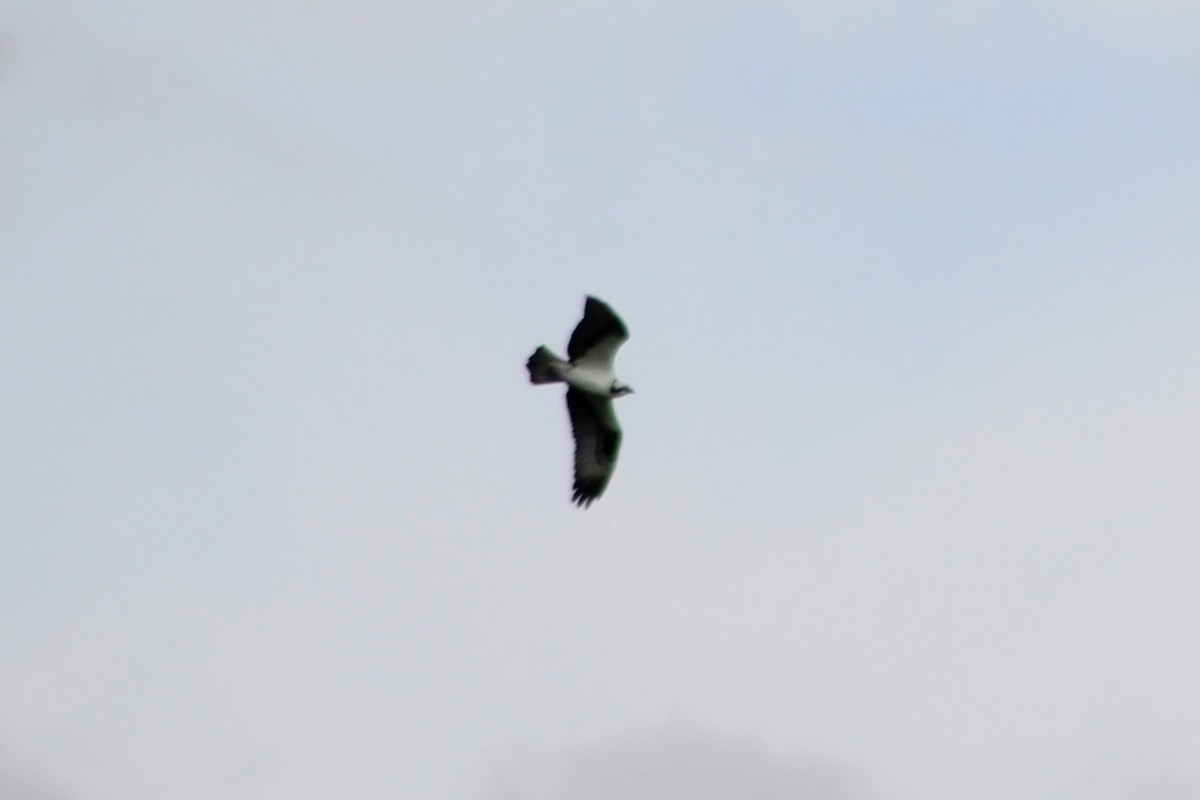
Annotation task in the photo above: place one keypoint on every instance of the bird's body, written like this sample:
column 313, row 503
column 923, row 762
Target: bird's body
column 590, row 378
column 592, row 385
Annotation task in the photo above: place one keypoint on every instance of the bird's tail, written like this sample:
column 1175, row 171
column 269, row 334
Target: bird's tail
column 544, row 366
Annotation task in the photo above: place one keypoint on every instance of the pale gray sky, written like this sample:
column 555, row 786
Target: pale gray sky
column 908, row 484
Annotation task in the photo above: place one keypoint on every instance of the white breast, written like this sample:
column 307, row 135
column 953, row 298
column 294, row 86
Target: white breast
column 590, row 378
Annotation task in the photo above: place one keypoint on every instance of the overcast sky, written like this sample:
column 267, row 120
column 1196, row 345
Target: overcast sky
column 907, row 506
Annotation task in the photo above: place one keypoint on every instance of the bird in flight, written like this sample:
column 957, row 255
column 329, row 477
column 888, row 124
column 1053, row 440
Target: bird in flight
column 591, row 387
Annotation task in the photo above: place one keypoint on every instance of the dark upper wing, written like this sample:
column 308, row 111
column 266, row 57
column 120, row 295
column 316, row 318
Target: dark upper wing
column 598, row 323
column 597, row 439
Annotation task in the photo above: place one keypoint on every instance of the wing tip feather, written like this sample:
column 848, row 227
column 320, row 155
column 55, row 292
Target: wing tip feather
column 586, row 492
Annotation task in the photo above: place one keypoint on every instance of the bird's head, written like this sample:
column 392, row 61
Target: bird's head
column 619, row 389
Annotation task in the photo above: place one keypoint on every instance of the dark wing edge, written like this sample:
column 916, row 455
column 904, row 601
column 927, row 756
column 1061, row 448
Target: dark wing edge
column 597, row 440
column 599, row 322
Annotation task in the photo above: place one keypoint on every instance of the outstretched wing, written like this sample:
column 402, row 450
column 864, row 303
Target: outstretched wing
column 597, row 440
column 598, row 334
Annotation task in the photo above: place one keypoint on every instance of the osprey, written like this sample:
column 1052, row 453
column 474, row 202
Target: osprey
column 591, row 387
